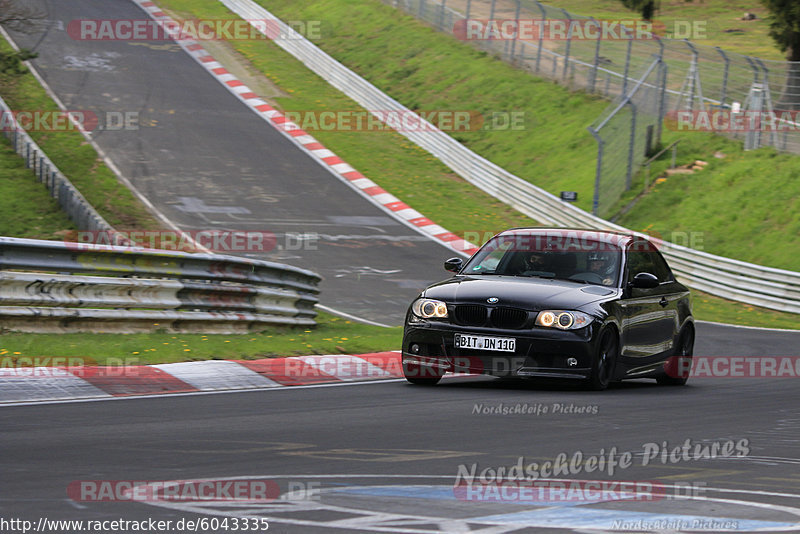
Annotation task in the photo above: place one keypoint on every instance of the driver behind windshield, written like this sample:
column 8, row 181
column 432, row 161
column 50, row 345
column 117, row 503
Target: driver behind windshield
column 603, row 265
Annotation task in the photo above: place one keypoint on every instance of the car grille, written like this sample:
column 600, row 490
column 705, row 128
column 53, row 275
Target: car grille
column 470, row 315
column 476, row 315
column 510, row 318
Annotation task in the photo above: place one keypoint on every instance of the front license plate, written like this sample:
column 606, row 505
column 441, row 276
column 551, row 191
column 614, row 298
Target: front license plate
column 504, row 344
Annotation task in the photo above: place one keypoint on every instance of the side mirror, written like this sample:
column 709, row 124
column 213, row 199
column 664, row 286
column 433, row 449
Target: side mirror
column 645, row 281
column 453, row 265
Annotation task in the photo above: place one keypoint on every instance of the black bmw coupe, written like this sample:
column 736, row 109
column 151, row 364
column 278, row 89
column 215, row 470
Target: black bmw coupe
column 537, row 302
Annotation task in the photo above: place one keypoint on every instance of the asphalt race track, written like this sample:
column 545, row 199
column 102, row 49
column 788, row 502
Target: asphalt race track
column 368, row 457
column 383, row 457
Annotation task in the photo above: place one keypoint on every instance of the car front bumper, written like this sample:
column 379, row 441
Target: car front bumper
column 540, row 352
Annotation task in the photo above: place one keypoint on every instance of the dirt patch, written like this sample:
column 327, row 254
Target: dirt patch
column 240, row 66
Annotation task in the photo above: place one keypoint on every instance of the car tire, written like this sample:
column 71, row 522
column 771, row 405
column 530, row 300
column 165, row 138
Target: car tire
column 605, row 361
column 684, row 351
column 422, row 375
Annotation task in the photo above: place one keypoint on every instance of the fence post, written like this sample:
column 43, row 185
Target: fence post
column 631, row 144
column 442, row 7
column 569, row 42
column 627, row 68
column 662, row 97
column 773, row 138
column 516, row 34
column 491, row 10
column 469, row 8
column 752, row 138
column 596, row 65
column 541, row 32
column 723, row 94
column 598, row 170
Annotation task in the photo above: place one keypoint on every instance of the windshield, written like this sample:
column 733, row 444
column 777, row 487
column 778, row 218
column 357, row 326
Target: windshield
column 592, row 262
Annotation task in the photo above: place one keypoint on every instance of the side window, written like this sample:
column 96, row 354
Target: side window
column 662, row 270
column 640, row 262
column 644, row 258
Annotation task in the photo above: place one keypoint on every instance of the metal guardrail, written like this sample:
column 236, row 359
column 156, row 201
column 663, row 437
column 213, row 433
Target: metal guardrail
column 54, row 286
column 727, row 278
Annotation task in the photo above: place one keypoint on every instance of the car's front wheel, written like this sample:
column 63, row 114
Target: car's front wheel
column 422, row 375
column 681, row 362
column 604, row 361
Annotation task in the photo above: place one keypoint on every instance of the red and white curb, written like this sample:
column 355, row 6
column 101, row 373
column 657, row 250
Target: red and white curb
column 39, row 384
column 307, row 142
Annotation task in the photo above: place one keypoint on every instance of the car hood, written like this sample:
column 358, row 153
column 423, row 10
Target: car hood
column 528, row 293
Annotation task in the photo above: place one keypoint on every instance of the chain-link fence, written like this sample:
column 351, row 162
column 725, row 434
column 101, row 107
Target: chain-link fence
column 704, row 87
column 626, row 134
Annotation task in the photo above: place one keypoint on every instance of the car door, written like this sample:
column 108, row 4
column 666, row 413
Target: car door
column 649, row 315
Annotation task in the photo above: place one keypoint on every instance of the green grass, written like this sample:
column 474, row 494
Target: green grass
column 720, row 19
column 745, row 206
column 333, row 335
column 709, row 308
column 29, row 211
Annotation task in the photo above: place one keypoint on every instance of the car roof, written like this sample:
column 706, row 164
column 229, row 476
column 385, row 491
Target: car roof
column 620, row 239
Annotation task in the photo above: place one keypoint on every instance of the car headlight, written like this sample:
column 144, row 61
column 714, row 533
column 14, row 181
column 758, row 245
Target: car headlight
column 429, row 309
column 563, row 319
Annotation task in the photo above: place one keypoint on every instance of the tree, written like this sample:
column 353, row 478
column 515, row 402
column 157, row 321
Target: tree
column 646, row 7
column 784, row 28
column 16, row 16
